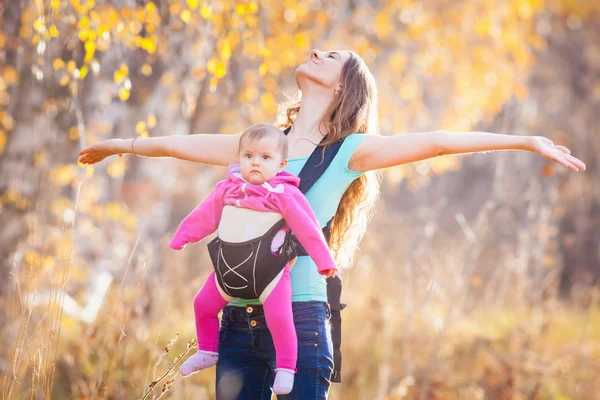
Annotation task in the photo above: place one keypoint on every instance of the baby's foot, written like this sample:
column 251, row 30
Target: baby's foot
column 202, row 359
column 284, row 381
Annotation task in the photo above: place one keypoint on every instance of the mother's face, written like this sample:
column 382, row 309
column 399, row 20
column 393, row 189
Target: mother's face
column 323, row 69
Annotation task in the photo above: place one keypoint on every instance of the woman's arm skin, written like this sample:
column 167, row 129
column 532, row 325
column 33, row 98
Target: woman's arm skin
column 215, row 149
column 376, row 152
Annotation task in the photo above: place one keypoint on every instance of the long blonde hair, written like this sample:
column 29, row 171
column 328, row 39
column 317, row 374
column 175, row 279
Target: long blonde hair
column 353, row 111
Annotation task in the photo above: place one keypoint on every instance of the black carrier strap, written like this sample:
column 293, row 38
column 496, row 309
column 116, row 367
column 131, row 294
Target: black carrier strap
column 315, row 166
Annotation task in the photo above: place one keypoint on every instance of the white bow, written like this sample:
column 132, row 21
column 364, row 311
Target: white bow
column 276, row 189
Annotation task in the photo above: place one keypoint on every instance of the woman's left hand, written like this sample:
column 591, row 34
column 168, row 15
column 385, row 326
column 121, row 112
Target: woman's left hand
column 560, row 154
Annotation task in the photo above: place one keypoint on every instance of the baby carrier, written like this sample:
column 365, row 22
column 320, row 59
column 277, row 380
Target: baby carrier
column 236, row 264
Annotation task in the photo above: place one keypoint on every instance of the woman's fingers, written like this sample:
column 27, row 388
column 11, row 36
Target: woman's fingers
column 563, row 149
column 571, row 162
column 566, row 154
column 577, row 162
column 574, row 161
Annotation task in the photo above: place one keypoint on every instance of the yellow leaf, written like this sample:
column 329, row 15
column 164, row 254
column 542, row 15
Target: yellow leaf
column 58, row 63
column 240, row 9
column 447, row 163
column 226, row 50
column 482, row 27
column 148, row 44
column 268, row 102
column 94, row 16
column 129, row 221
column 39, row 25
column 382, row 24
column 116, row 169
column 211, row 66
column 140, row 127
column 6, row 120
column 71, row 66
column 206, row 12
column 64, row 80
column 11, row 195
column 63, row 175
column 263, row 69
column 89, row 171
column 152, row 121
column 54, row 4
column 144, row 134
column 186, row 16
column 113, row 210
column 84, row 35
column 54, row 31
column 124, row 94
column 2, row 141
column 167, row 78
column 174, row 8
column 120, row 74
column 221, row 70
column 193, row 4
column 10, row 75
column 302, row 42
column 84, row 22
column 90, row 47
column 83, row 72
column 146, row 70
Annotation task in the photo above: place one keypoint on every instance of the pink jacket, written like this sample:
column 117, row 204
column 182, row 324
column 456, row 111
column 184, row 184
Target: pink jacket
column 280, row 194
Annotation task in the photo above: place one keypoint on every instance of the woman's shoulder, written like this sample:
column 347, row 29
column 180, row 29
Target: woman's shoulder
column 346, row 151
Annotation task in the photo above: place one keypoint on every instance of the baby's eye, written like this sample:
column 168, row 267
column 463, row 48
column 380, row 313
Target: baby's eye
column 248, row 155
column 266, row 157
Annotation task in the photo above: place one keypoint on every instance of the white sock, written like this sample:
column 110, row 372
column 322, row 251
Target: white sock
column 284, row 381
column 202, row 359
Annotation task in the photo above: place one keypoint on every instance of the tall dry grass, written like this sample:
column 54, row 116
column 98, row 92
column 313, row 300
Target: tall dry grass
column 432, row 314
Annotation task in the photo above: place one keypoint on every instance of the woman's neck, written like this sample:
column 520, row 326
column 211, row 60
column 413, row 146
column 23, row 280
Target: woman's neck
column 306, row 125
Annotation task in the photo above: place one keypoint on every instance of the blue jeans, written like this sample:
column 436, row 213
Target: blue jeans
column 247, row 357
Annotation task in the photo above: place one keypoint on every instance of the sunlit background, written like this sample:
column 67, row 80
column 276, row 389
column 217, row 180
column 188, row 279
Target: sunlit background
column 478, row 278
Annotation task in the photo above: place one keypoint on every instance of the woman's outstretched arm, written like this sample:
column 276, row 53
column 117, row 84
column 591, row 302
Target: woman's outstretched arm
column 212, row 149
column 376, row 152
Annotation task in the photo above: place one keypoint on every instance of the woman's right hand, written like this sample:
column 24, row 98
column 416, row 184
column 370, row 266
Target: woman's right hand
column 98, row 152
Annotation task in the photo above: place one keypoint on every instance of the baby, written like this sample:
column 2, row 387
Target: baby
column 254, row 210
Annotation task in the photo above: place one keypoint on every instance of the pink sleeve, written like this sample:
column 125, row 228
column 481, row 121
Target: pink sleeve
column 201, row 222
column 302, row 221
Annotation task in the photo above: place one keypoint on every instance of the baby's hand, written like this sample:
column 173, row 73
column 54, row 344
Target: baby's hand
column 330, row 273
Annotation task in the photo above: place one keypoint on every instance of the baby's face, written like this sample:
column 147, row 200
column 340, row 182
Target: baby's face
column 261, row 160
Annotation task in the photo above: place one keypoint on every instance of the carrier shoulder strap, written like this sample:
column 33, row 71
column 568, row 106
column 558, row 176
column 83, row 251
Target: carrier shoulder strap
column 314, row 168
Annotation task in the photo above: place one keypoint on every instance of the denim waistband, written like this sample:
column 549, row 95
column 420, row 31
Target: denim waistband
column 303, row 310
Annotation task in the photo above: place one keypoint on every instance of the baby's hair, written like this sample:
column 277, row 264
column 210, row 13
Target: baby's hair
column 258, row 131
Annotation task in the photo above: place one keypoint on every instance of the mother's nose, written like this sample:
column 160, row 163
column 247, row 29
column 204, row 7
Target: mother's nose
column 315, row 53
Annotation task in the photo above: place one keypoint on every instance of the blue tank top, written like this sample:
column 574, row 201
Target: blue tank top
column 324, row 198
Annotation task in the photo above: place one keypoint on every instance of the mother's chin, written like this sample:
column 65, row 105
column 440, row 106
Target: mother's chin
column 303, row 74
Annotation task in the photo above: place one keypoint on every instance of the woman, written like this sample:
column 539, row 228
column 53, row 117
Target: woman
column 339, row 98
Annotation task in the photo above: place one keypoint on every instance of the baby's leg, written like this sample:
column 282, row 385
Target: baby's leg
column 207, row 304
column 280, row 320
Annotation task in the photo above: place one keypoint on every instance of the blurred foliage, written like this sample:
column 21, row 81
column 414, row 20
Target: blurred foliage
column 78, row 71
